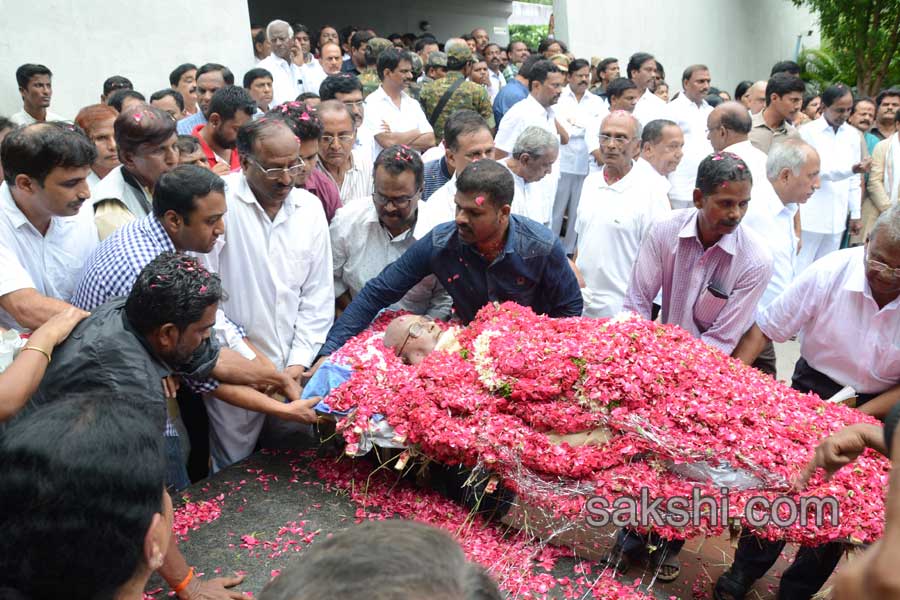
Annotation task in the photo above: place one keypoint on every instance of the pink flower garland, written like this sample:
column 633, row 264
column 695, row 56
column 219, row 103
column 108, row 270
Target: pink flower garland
column 663, row 395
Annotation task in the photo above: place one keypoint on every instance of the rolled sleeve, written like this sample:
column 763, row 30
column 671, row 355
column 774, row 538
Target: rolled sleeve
column 790, row 311
column 13, row 277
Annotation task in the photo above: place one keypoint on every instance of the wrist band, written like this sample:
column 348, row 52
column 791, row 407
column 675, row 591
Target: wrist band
column 184, row 582
column 41, row 350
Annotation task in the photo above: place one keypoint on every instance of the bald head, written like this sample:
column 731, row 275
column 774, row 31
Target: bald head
column 757, row 97
column 412, row 337
column 728, row 124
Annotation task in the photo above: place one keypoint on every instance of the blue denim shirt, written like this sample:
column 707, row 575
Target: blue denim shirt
column 532, row 271
column 511, row 93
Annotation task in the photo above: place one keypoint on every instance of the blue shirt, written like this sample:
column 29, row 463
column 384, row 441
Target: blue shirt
column 436, row 175
column 532, row 271
column 186, row 125
column 511, row 93
column 348, row 67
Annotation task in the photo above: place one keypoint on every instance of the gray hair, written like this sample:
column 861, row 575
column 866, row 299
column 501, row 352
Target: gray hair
column 789, row 154
column 534, row 141
column 889, row 222
column 278, row 23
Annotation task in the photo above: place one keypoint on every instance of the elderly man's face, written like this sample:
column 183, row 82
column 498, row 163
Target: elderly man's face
column 799, row 188
column 618, row 144
column 863, row 116
column 338, row 135
column 883, row 263
column 757, row 100
column 536, row 168
column 412, row 338
column 281, row 42
column 665, row 154
column 331, row 59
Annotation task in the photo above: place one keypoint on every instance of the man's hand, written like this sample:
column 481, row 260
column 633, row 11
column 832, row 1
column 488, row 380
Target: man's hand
column 855, row 226
column 289, row 387
column 301, row 411
column 170, row 385
column 295, row 372
column 221, row 168
column 213, row 589
column 862, row 166
column 60, row 325
column 840, row 449
column 307, row 374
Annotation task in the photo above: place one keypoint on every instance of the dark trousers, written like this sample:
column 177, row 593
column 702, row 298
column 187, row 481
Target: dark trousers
column 196, row 421
column 633, row 543
column 812, row 566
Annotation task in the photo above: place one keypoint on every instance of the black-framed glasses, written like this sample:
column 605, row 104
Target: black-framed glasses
column 398, row 202
column 276, row 172
column 416, row 330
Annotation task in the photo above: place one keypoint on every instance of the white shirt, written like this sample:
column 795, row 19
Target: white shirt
column 312, row 74
column 645, row 170
column 843, row 334
column 381, row 109
column 578, row 117
column 826, row 211
column 92, row 181
column 650, row 107
column 440, row 208
column 533, row 199
column 611, row 223
column 692, row 121
column 23, row 118
column 522, row 114
column 49, row 263
column 285, row 76
column 277, row 273
column 361, row 247
column 773, row 220
column 496, row 81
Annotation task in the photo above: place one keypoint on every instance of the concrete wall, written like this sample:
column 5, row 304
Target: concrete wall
column 448, row 18
column 737, row 39
column 85, row 42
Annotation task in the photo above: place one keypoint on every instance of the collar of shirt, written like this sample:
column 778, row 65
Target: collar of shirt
column 243, row 193
column 211, row 156
column 821, row 124
column 155, row 230
column 622, row 185
column 728, row 242
column 380, row 95
column 758, row 120
column 683, row 100
column 371, row 218
column 537, row 108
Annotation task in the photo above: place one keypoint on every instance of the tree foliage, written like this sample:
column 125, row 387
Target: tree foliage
column 864, row 33
column 530, row 34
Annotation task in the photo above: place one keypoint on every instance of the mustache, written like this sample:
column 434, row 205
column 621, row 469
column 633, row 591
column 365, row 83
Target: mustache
column 729, row 223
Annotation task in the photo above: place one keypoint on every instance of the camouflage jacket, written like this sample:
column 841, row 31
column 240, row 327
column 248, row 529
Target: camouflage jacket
column 369, row 80
column 468, row 95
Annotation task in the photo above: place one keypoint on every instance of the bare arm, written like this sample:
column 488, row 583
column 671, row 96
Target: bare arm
column 563, row 134
column 424, row 142
column 880, row 405
column 20, row 380
column 30, row 308
column 175, row 570
column 874, row 575
column 247, row 398
column 750, row 345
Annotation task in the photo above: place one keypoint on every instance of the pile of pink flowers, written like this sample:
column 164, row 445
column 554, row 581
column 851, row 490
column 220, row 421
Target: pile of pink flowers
column 662, row 398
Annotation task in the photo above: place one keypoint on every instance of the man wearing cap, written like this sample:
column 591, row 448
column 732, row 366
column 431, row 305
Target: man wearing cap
column 435, row 67
column 369, row 76
column 443, row 97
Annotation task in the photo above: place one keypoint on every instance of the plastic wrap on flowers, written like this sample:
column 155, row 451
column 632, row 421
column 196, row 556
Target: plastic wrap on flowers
column 674, row 418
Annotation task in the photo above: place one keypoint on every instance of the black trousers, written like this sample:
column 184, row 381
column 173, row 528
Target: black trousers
column 196, row 421
column 812, row 566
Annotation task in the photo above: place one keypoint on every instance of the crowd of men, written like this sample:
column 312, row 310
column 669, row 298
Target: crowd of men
column 198, row 251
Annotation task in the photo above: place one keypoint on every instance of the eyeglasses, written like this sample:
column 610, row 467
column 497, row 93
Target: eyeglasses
column 883, row 269
column 398, row 202
column 616, row 140
column 275, row 173
column 416, row 330
column 344, row 139
column 357, row 104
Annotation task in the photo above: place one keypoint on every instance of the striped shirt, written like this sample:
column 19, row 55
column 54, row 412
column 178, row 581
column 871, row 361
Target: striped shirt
column 358, row 181
column 436, row 175
column 672, row 258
